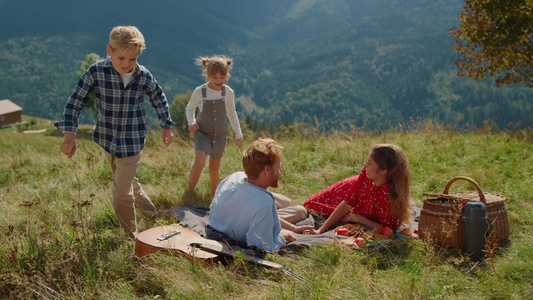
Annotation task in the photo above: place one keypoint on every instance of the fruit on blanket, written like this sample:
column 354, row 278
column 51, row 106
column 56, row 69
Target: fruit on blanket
column 379, row 237
column 368, row 235
column 386, row 231
column 343, row 231
column 361, row 242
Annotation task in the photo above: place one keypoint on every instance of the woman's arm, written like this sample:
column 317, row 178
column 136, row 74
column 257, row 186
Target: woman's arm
column 353, row 217
column 342, row 210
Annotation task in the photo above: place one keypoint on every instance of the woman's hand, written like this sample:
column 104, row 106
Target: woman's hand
column 286, row 225
column 303, row 228
column 357, row 218
column 311, row 231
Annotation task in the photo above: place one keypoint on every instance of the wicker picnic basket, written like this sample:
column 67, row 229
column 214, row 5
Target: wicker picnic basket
column 440, row 218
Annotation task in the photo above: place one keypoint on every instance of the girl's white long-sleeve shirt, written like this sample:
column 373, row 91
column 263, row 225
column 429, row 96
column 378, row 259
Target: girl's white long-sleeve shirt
column 229, row 100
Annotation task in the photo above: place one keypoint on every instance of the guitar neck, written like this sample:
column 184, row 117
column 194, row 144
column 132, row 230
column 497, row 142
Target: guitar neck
column 259, row 261
column 219, row 250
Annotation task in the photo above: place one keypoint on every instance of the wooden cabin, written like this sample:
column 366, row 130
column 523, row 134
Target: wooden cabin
column 9, row 113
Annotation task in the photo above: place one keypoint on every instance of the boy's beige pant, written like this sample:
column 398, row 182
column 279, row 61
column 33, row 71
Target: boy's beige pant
column 128, row 193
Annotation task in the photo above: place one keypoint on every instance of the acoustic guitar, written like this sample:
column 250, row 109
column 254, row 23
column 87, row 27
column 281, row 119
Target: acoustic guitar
column 175, row 239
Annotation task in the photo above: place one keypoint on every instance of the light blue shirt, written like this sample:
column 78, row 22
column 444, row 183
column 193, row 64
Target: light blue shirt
column 246, row 213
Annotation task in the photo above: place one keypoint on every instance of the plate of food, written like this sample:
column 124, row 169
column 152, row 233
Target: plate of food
column 359, row 238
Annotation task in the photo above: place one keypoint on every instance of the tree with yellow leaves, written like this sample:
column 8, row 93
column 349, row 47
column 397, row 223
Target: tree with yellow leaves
column 495, row 38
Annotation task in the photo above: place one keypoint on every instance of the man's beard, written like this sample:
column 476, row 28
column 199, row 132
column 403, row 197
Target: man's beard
column 275, row 183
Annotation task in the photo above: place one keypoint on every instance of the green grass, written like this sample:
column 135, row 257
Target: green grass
column 61, row 240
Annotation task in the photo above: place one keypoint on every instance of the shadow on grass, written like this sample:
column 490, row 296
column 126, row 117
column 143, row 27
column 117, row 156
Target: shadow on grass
column 196, row 198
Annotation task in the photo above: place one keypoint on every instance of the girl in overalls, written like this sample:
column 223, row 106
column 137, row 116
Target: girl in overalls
column 215, row 101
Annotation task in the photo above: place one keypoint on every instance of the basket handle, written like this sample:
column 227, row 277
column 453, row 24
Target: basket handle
column 481, row 195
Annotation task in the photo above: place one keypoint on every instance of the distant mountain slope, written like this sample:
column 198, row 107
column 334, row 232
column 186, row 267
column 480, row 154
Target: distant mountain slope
column 373, row 64
column 370, row 63
column 57, row 35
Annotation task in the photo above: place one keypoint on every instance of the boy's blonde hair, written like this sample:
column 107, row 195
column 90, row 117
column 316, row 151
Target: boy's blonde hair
column 215, row 64
column 127, row 38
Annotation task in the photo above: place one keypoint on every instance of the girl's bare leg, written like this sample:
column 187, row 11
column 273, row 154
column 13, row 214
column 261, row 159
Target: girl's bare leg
column 214, row 174
column 196, row 169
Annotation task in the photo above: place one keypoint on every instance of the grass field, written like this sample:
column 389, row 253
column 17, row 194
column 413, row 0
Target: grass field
column 61, row 240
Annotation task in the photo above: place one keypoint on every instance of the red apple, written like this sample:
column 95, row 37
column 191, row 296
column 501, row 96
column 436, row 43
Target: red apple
column 343, row 231
column 387, row 232
column 361, row 242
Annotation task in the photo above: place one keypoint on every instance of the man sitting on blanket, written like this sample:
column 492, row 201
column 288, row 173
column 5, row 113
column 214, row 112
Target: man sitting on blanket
column 244, row 211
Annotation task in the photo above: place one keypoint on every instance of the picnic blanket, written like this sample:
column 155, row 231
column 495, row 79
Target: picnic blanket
column 196, row 218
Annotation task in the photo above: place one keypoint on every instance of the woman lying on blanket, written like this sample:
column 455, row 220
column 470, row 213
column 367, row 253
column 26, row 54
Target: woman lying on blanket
column 377, row 198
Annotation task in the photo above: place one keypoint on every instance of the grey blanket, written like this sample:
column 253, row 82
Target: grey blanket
column 197, row 218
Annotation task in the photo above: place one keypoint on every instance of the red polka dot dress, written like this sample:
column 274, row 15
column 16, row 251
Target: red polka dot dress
column 361, row 194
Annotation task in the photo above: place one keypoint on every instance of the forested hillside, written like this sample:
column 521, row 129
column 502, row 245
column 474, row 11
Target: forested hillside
column 365, row 63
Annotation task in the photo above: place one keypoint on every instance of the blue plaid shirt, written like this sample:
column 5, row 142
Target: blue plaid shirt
column 121, row 125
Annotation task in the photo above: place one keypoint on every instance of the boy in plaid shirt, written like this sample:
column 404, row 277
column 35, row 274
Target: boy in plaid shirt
column 119, row 84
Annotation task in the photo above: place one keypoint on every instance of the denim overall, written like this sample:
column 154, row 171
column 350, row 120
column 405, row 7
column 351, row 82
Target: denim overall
column 213, row 124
